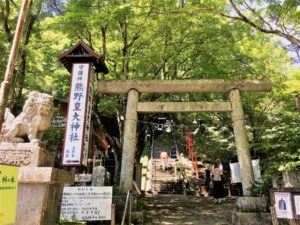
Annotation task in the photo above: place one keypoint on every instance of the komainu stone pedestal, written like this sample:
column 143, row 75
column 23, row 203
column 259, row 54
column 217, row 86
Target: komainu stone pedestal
column 251, row 211
column 40, row 192
column 25, row 154
column 40, row 186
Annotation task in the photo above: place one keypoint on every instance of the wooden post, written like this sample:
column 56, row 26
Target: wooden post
column 125, row 208
column 94, row 155
column 113, row 214
column 5, row 85
column 241, row 141
column 130, row 209
column 273, row 215
column 294, row 222
column 129, row 143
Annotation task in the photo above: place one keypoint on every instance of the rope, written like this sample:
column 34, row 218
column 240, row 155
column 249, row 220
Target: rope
column 172, row 125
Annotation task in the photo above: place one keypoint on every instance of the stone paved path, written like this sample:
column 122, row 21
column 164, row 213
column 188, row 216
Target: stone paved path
column 190, row 210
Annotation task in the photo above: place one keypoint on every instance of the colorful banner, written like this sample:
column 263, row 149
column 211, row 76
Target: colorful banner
column 283, row 205
column 8, row 193
column 76, row 118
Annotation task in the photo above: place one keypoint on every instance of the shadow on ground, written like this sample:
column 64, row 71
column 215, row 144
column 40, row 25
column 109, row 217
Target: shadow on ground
column 180, row 210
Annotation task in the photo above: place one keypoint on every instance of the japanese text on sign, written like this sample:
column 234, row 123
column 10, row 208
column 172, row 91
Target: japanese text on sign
column 75, row 128
column 86, row 203
column 8, row 193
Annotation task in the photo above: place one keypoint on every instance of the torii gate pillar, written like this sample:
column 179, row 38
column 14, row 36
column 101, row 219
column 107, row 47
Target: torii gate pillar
column 129, row 142
column 241, row 141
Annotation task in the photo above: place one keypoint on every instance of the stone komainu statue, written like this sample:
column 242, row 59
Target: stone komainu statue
column 34, row 119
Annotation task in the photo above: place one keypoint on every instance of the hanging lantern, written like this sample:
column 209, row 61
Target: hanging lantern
column 194, row 121
column 168, row 126
column 160, row 127
column 168, row 129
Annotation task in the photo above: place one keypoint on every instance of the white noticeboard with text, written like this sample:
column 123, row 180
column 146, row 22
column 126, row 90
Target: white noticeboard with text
column 236, row 172
column 76, row 118
column 283, row 205
column 86, row 203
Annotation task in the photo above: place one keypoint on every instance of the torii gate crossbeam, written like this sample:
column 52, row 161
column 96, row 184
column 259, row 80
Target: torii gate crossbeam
column 183, row 86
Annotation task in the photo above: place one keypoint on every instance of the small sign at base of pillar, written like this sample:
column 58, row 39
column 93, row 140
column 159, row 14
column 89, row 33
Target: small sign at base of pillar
column 8, row 193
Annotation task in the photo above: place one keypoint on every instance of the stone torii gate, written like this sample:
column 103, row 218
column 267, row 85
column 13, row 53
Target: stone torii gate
column 234, row 105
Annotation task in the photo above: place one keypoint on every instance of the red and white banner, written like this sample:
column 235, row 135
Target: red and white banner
column 77, row 112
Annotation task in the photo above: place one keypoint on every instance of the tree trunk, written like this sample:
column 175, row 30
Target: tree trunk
column 117, row 156
column 20, row 73
column 103, row 34
column 5, row 16
column 125, row 50
column 117, row 166
column 297, row 100
column 104, row 48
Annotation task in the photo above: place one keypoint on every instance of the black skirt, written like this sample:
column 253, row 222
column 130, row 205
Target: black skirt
column 218, row 190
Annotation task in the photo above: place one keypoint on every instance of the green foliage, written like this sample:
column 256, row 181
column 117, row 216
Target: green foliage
column 279, row 143
column 259, row 189
column 152, row 39
column 54, row 138
column 116, row 189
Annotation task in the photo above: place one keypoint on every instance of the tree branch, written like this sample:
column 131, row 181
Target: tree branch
column 242, row 17
column 259, row 16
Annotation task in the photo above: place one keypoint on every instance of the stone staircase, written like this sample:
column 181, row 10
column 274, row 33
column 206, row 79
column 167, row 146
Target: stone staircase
column 165, row 182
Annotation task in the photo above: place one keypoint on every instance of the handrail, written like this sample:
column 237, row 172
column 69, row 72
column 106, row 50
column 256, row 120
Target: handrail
column 125, row 209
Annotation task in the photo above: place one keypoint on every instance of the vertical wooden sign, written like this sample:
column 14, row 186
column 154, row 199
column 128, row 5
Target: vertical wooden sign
column 82, row 62
column 75, row 134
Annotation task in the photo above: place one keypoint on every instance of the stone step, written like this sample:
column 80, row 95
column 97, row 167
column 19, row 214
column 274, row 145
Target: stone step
column 168, row 187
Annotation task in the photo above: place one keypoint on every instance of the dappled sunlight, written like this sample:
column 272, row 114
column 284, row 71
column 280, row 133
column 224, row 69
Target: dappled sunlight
column 180, row 209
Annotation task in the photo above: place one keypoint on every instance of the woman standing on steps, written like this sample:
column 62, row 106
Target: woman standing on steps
column 217, row 178
column 164, row 159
